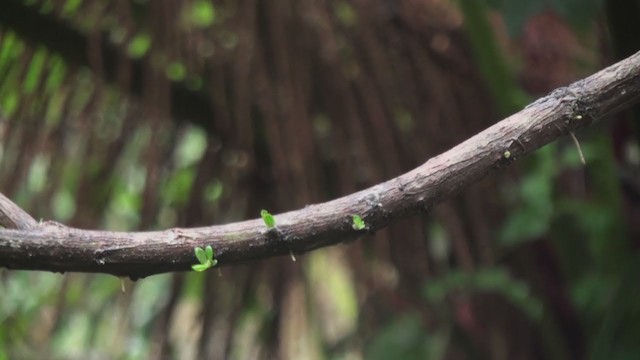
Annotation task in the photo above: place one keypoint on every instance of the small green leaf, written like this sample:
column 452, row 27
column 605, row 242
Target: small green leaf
column 268, row 219
column 213, row 262
column 358, row 223
column 200, row 267
column 200, row 254
column 209, row 253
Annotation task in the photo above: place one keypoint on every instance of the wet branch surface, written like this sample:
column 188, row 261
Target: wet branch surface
column 50, row 246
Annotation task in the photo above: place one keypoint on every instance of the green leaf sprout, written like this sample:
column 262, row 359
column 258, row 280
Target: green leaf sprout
column 206, row 257
column 268, row 219
column 358, row 223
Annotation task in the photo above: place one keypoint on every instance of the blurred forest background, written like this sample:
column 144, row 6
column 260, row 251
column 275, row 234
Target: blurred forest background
column 139, row 114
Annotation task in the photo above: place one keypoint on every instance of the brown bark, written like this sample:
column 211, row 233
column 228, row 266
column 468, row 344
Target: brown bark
column 54, row 247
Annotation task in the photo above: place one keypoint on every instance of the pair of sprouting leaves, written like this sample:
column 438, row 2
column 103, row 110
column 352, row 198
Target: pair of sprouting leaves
column 206, row 257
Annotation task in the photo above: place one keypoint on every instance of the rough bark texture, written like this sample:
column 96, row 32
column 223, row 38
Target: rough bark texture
column 53, row 247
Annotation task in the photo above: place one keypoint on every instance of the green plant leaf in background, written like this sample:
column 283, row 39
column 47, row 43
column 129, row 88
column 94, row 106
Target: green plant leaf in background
column 405, row 338
column 213, row 191
column 493, row 62
column 34, row 72
column 176, row 71
column 490, row 280
column 517, row 12
column 578, row 12
column 345, row 13
column 201, row 14
column 139, row 45
column 71, row 6
column 191, row 147
column 534, row 197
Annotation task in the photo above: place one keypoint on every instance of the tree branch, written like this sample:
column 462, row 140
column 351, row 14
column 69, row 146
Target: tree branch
column 13, row 217
column 54, row 247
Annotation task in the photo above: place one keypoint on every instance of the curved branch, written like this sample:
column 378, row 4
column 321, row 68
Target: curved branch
column 54, row 247
column 13, row 217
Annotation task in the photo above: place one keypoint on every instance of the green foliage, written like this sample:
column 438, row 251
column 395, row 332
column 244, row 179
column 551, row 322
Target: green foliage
column 491, row 280
column 10, row 48
column 345, row 13
column 9, row 104
column 80, row 99
column 268, row 219
column 139, row 45
column 191, row 147
column 25, row 292
column 598, row 268
column 177, row 186
column 11, row 66
column 494, row 65
column 71, row 6
column 534, row 197
column 57, row 72
column 34, row 72
column 63, row 205
column 123, row 189
column 213, row 191
column 358, row 223
column 578, row 12
column 405, row 338
column 201, row 14
column 330, row 280
column 176, row 71
column 194, row 83
column 517, row 12
column 24, row 295
column 206, row 258
column 55, row 107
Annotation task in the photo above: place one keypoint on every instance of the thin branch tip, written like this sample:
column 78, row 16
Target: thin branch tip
column 13, row 217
